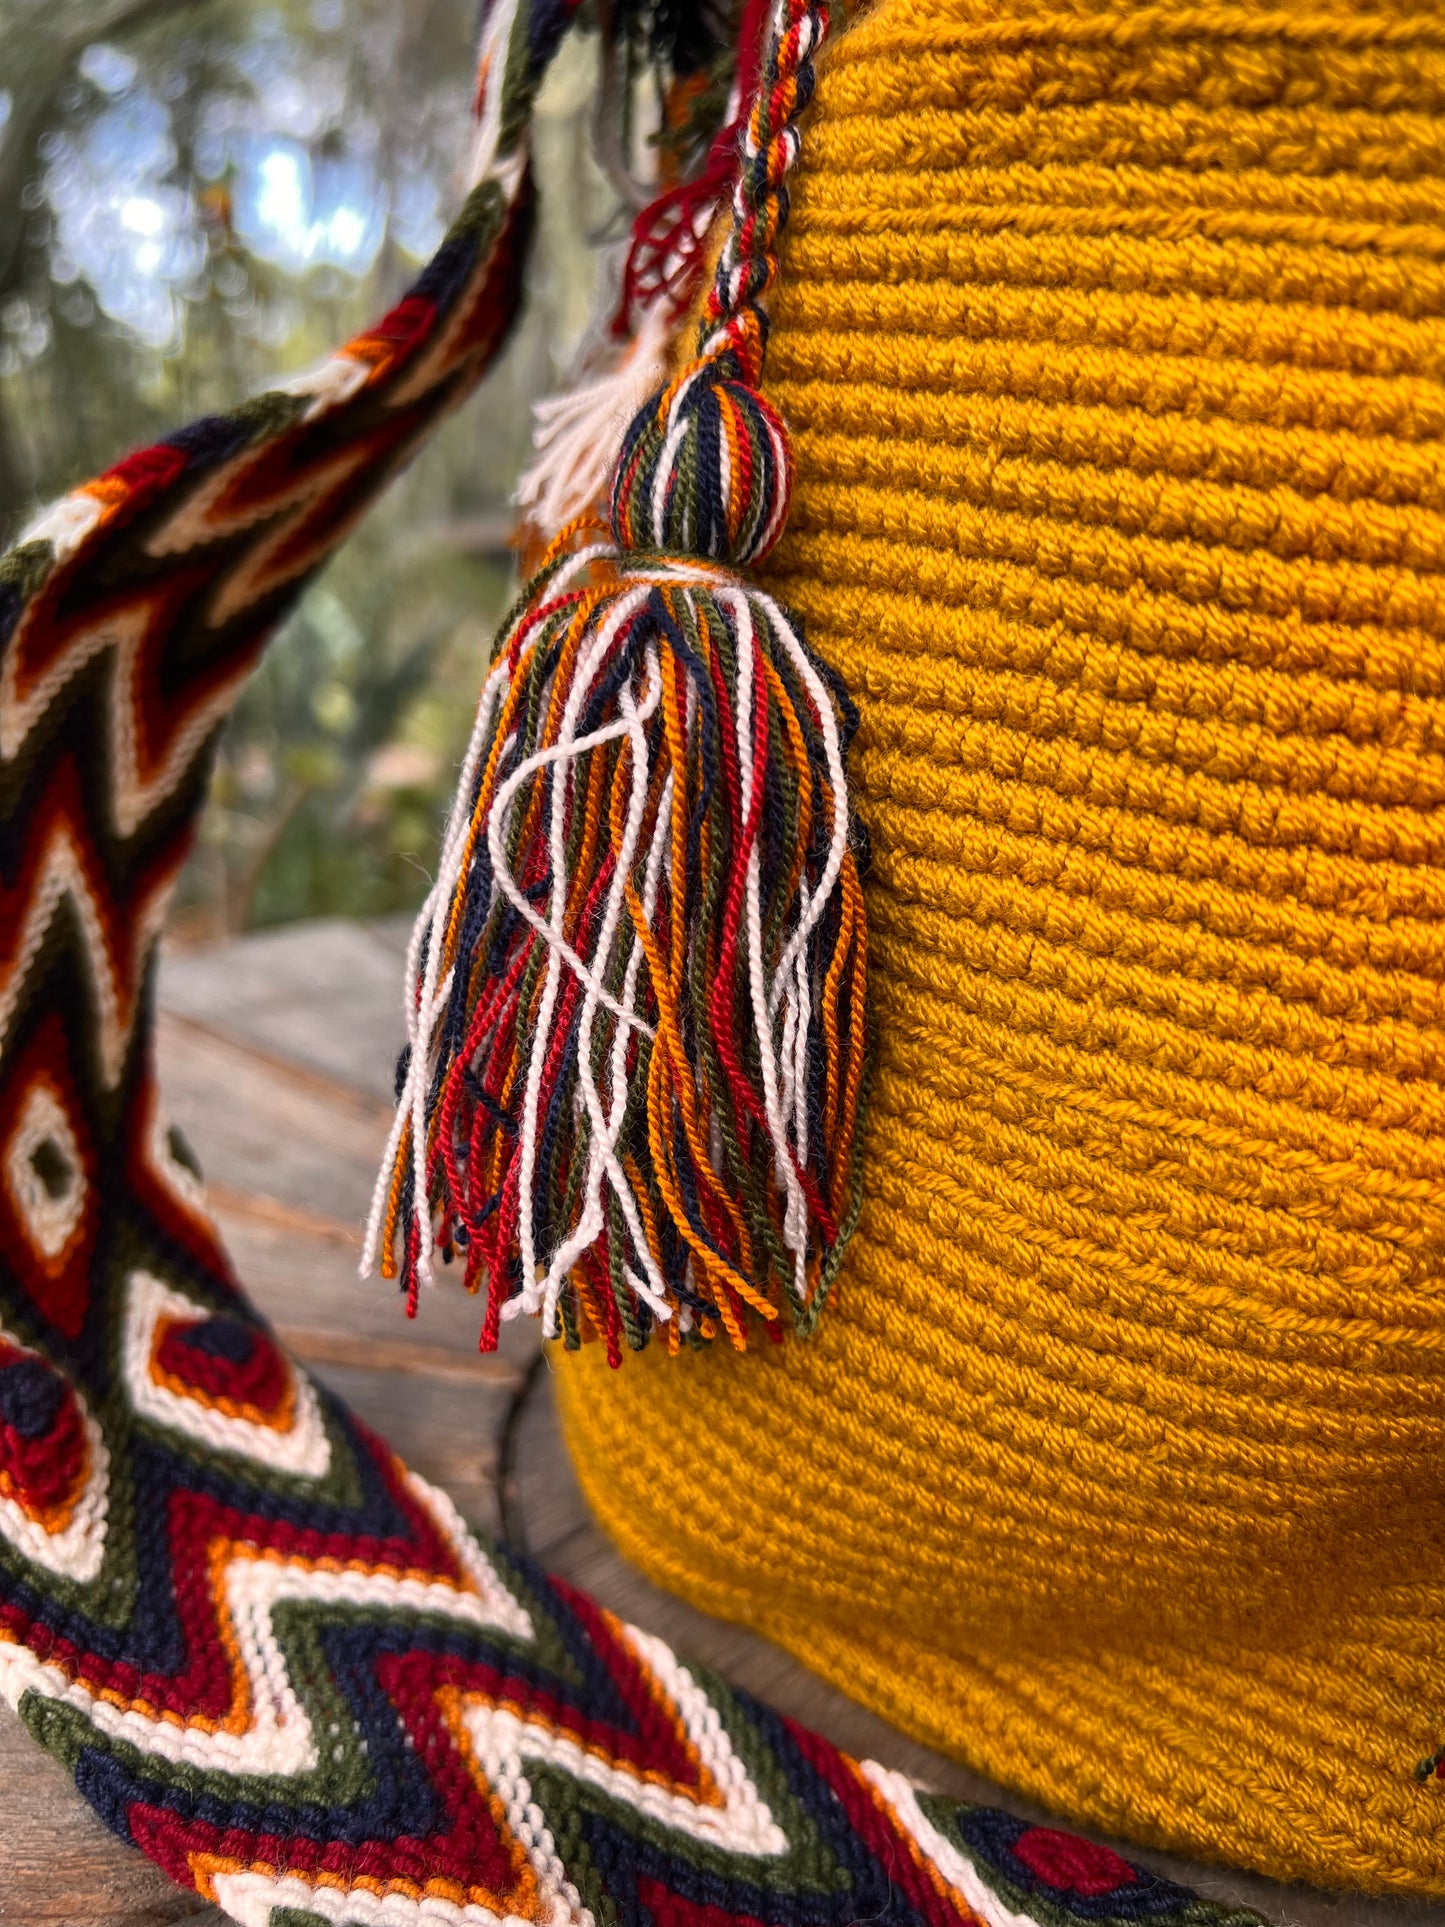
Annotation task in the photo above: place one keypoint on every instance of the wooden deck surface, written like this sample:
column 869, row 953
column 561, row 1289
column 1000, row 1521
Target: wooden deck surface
column 276, row 1055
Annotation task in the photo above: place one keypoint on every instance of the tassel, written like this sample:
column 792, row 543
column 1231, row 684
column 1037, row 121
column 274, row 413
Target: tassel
column 632, row 1088
column 576, row 436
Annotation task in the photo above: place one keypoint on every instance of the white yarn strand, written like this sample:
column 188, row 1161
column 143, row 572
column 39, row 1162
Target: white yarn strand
column 602, row 1156
column 567, row 748
column 578, row 435
column 492, row 58
column 795, row 1217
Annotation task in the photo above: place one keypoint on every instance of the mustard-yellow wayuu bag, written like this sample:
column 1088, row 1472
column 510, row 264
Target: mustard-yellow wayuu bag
column 1059, row 403
column 1110, row 340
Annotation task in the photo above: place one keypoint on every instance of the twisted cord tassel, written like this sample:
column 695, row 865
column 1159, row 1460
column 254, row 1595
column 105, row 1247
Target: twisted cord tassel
column 631, row 1094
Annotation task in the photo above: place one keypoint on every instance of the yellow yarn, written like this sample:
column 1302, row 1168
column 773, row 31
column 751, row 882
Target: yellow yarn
column 1111, row 339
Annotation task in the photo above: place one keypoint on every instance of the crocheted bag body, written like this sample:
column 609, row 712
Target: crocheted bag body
column 273, row 1658
column 1111, row 342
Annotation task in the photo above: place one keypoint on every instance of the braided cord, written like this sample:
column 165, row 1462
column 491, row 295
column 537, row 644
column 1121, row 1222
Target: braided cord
column 748, row 262
column 706, row 467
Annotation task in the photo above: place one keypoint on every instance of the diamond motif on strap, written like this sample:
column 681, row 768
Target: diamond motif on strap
column 54, row 1468
column 45, row 1174
column 221, row 1379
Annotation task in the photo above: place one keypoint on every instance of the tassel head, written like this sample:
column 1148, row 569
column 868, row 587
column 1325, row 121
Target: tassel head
column 705, row 469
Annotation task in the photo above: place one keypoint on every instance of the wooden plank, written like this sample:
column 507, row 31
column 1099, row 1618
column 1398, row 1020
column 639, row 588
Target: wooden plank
column 291, row 1157
column 444, row 1430
column 311, row 1283
column 263, row 1128
column 398, row 1356
column 59, row 1867
column 324, row 995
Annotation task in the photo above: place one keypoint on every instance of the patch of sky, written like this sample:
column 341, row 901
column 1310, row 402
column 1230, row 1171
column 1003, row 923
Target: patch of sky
column 304, row 211
column 120, row 221
column 286, row 102
column 418, row 219
column 109, row 68
column 300, row 200
column 307, row 182
column 301, row 195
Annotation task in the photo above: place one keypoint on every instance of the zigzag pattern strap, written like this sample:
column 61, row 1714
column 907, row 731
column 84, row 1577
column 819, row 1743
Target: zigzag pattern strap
column 274, row 1659
column 132, row 612
column 281, row 1665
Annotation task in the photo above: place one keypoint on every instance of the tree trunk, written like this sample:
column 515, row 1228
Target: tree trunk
column 14, row 481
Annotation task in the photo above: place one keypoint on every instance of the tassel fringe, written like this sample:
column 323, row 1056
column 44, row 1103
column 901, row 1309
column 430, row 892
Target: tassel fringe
column 630, row 1098
column 577, row 435
column 632, row 1086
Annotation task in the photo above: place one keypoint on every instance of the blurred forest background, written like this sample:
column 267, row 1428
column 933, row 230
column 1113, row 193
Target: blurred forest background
column 199, row 198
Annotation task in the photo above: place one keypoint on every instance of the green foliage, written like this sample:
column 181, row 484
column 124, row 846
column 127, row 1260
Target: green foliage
column 199, row 198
